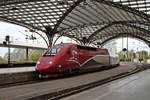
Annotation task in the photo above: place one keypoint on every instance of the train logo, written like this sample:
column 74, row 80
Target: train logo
column 74, row 55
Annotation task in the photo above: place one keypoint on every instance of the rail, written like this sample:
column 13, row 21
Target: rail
column 67, row 92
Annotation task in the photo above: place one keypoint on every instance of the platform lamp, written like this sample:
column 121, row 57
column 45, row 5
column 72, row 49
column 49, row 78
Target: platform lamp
column 7, row 42
column 125, row 53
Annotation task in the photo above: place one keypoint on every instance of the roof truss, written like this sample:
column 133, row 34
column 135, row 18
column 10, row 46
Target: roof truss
column 80, row 19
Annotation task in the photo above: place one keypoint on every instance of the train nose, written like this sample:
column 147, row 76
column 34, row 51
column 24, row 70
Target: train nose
column 43, row 66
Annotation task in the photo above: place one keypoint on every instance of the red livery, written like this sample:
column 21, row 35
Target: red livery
column 66, row 58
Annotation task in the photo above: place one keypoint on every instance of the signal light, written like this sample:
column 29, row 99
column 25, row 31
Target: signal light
column 4, row 42
column 7, row 38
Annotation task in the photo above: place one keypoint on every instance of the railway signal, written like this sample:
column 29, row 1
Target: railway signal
column 7, row 42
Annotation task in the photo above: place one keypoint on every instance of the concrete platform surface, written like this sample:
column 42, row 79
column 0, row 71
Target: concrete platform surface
column 27, row 91
column 16, row 70
column 135, row 87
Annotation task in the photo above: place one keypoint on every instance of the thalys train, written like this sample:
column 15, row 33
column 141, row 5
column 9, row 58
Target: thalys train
column 68, row 57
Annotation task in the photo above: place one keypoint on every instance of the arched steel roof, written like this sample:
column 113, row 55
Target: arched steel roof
column 141, row 5
column 88, row 21
column 124, row 35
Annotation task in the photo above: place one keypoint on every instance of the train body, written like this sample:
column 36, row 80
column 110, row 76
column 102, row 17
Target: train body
column 66, row 58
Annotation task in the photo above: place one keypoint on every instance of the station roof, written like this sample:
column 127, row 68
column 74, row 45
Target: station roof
column 87, row 21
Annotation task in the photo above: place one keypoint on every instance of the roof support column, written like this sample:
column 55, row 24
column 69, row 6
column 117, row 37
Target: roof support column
column 50, row 35
column 84, row 40
column 27, row 54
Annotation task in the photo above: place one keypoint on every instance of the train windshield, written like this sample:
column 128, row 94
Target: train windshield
column 52, row 52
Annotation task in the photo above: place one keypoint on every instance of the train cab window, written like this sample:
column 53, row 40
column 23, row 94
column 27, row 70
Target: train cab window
column 52, row 52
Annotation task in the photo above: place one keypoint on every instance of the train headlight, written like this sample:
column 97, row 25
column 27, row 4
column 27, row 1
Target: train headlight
column 59, row 66
column 50, row 62
column 38, row 62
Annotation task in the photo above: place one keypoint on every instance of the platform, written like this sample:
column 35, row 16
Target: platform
column 135, row 87
column 19, row 74
column 16, row 70
column 27, row 91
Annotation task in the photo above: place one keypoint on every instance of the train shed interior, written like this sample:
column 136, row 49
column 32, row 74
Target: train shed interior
column 86, row 21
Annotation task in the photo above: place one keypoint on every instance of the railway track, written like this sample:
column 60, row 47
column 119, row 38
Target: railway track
column 37, row 80
column 19, row 83
column 67, row 92
column 58, row 88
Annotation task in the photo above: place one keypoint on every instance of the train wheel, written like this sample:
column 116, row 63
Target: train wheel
column 68, row 72
column 76, row 71
column 40, row 76
column 71, row 71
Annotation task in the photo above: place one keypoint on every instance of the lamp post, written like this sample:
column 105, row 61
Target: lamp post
column 127, row 47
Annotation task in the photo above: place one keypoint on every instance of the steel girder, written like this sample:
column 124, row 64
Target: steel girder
column 141, row 5
column 140, row 32
column 69, row 10
column 142, row 15
column 127, row 8
column 125, row 35
column 99, row 31
column 66, row 14
column 126, row 22
column 114, row 23
column 63, row 15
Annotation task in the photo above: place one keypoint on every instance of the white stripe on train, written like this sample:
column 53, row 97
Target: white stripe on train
column 87, row 60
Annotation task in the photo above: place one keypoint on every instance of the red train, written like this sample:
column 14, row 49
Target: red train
column 67, row 58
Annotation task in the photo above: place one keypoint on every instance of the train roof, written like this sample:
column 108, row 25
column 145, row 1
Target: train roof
column 81, row 47
column 86, row 48
column 65, row 44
